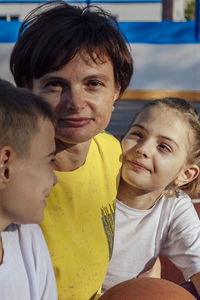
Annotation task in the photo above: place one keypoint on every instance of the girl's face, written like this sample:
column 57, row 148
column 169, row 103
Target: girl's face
column 155, row 149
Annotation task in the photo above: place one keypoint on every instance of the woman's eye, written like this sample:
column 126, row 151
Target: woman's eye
column 95, row 83
column 54, row 85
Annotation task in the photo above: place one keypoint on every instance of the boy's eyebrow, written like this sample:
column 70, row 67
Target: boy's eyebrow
column 162, row 136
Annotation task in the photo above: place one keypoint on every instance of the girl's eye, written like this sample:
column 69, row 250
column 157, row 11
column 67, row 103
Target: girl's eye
column 164, row 147
column 137, row 134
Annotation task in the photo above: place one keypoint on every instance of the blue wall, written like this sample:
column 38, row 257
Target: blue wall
column 84, row 1
column 166, row 32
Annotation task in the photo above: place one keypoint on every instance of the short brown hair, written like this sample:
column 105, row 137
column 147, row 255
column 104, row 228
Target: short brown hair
column 54, row 33
column 20, row 111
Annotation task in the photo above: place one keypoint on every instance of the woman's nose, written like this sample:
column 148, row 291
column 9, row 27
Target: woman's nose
column 74, row 100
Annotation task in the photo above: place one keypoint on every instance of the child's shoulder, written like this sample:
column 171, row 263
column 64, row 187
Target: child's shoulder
column 177, row 196
column 30, row 228
column 173, row 204
column 181, row 203
column 25, row 232
column 32, row 232
column 26, row 240
column 180, row 194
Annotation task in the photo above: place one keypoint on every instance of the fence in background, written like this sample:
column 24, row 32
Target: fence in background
column 166, row 53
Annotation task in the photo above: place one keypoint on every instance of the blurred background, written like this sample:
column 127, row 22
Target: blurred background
column 164, row 37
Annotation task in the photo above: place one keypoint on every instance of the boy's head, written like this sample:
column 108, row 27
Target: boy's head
column 20, row 111
column 163, row 144
column 52, row 35
column 27, row 148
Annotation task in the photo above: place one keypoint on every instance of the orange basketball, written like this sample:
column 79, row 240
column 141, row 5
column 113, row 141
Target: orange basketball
column 147, row 289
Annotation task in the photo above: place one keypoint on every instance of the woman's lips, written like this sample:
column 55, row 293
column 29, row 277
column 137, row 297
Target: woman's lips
column 74, row 122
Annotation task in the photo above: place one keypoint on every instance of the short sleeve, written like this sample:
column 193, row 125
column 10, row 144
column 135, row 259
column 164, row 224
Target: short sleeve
column 182, row 245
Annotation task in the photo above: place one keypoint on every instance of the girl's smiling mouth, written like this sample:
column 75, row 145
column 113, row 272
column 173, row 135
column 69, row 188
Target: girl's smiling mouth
column 138, row 165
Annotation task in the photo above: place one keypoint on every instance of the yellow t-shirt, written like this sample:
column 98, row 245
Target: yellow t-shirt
column 79, row 220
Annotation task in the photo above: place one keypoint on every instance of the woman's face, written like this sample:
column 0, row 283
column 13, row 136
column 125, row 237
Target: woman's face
column 82, row 94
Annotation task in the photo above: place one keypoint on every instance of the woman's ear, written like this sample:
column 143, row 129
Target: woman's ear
column 5, row 160
column 117, row 92
column 187, row 175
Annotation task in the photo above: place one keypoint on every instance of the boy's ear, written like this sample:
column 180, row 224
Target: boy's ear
column 6, row 154
column 187, row 175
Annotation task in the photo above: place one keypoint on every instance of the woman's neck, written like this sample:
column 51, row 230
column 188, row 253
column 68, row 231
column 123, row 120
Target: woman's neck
column 70, row 157
column 137, row 198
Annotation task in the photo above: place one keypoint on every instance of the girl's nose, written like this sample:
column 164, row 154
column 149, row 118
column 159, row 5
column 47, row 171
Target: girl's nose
column 138, row 153
column 142, row 152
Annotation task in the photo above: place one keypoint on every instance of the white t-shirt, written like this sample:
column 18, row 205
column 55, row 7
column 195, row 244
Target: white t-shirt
column 26, row 272
column 170, row 227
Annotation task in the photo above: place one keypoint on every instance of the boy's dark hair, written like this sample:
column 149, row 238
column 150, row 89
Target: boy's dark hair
column 20, row 111
column 52, row 34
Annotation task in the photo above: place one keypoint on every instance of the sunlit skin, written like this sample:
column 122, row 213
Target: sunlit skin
column 30, row 178
column 155, row 151
column 82, row 94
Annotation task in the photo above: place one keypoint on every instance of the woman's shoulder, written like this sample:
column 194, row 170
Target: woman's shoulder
column 106, row 138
